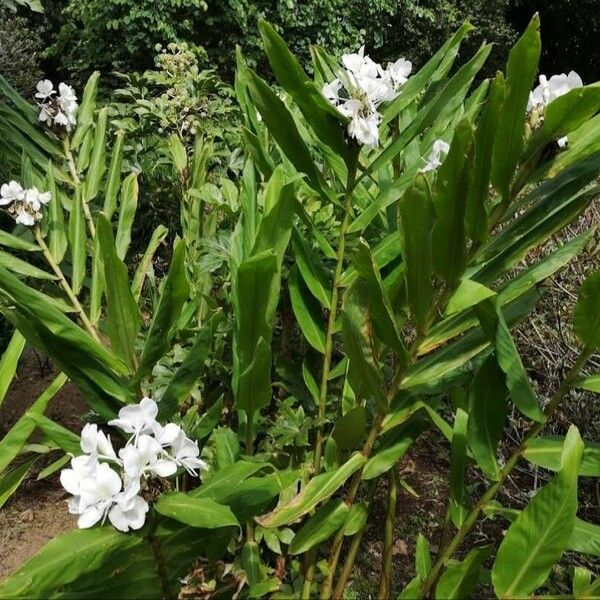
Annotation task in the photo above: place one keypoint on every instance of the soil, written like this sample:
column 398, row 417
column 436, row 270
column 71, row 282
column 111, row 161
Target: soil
column 37, row 512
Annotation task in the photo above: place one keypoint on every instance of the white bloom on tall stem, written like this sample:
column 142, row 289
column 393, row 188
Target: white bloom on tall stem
column 57, row 110
column 129, row 509
column 45, row 89
column 186, row 454
column 438, row 153
column 35, row 198
column 95, row 442
column 145, row 457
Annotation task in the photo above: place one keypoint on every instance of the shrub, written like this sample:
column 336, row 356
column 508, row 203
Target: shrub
column 325, row 347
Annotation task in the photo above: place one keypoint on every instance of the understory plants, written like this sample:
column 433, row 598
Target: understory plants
column 351, row 290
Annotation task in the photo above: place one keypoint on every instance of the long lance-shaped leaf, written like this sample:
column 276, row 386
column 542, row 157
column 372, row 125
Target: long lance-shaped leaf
column 175, row 291
column 158, row 236
column 127, row 209
column 540, row 534
column 22, row 267
column 517, row 380
column 26, row 109
column 122, row 309
column 454, row 181
column 546, row 452
column 417, row 218
column 520, row 74
column 14, row 440
column 380, row 306
column 487, row 416
column 17, row 242
column 307, row 311
column 10, row 481
column 364, row 374
column 476, row 212
column 432, row 71
column 282, row 127
column 77, row 239
column 324, row 523
column 204, row 513
column 318, row 113
column 317, row 490
column 85, row 113
column 458, row 507
column 459, row 580
column 61, row 436
column 57, row 235
column 97, row 167
column 312, row 271
column 113, row 178
column 9, row 362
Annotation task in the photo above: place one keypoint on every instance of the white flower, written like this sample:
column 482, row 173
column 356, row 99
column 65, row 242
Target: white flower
column 35, row 198
column 66, row 92
column 562, row 142
column 360, row 65
column 550, row 89
column 436, row 157
column 11, row 192
column 137, row 418
column 129, row 510
column 166, row 435
column 45, row 115
column 97, row 495
column 399, row 71
column 185, row 454
column 144, row 457
column 24, row 216
column 331, row 91
column 96, row 443
column 365, row 130
column 45, row 89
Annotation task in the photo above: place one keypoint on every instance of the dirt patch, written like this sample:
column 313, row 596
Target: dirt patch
column 37, row 512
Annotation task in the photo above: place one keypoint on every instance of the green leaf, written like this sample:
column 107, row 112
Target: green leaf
column 307, row 311
column 591, row 383
column 85, row 112
column 586, row 320
column 393, row 446
column 113, row 179
column 454, row 179
column 145, row 264
column 317, row 490
column 175, row 291
column 312, row 271
column 350, row 429
column 98, row 286
column 487, row 416
column 546, row 452
column 182, row 382
column 178, row 154
column 123, row 315
column 9, row 362
column 582, row 579
column 14, row 440
column 316, row 110
column 17, row 243
column 517, row 380
column 61, row 436
column 10, row 482
column 467, row 294
column 459, row 579
column 97, row 167
column 282, row 127
column 197, row 512
column 417, row 218
column 458, row 461
column 520, row 75
column 364, row 374
column 324, row 523
column 57, row 235
column 485, row 134
column 127, row 208
column 16, row 265
column 539, row 535
column 379, row 302
column 77, row 239
column 422, row 557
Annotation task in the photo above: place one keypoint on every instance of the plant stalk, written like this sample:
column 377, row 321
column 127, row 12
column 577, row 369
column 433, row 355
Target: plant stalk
column 65, row 285
column 385, row 581
column 490, row 493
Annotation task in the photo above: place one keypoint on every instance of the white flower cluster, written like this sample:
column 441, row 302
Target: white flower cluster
column 24, row 205
column 58, row 110
column 361, row 86
column 99, row 491
column 551, row 89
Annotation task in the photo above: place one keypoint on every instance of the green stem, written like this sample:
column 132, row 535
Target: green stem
column 159, row 559
column 385, row 581
column 310, row 561
column 491, row 492
column 249, row 452
column 65, row 285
